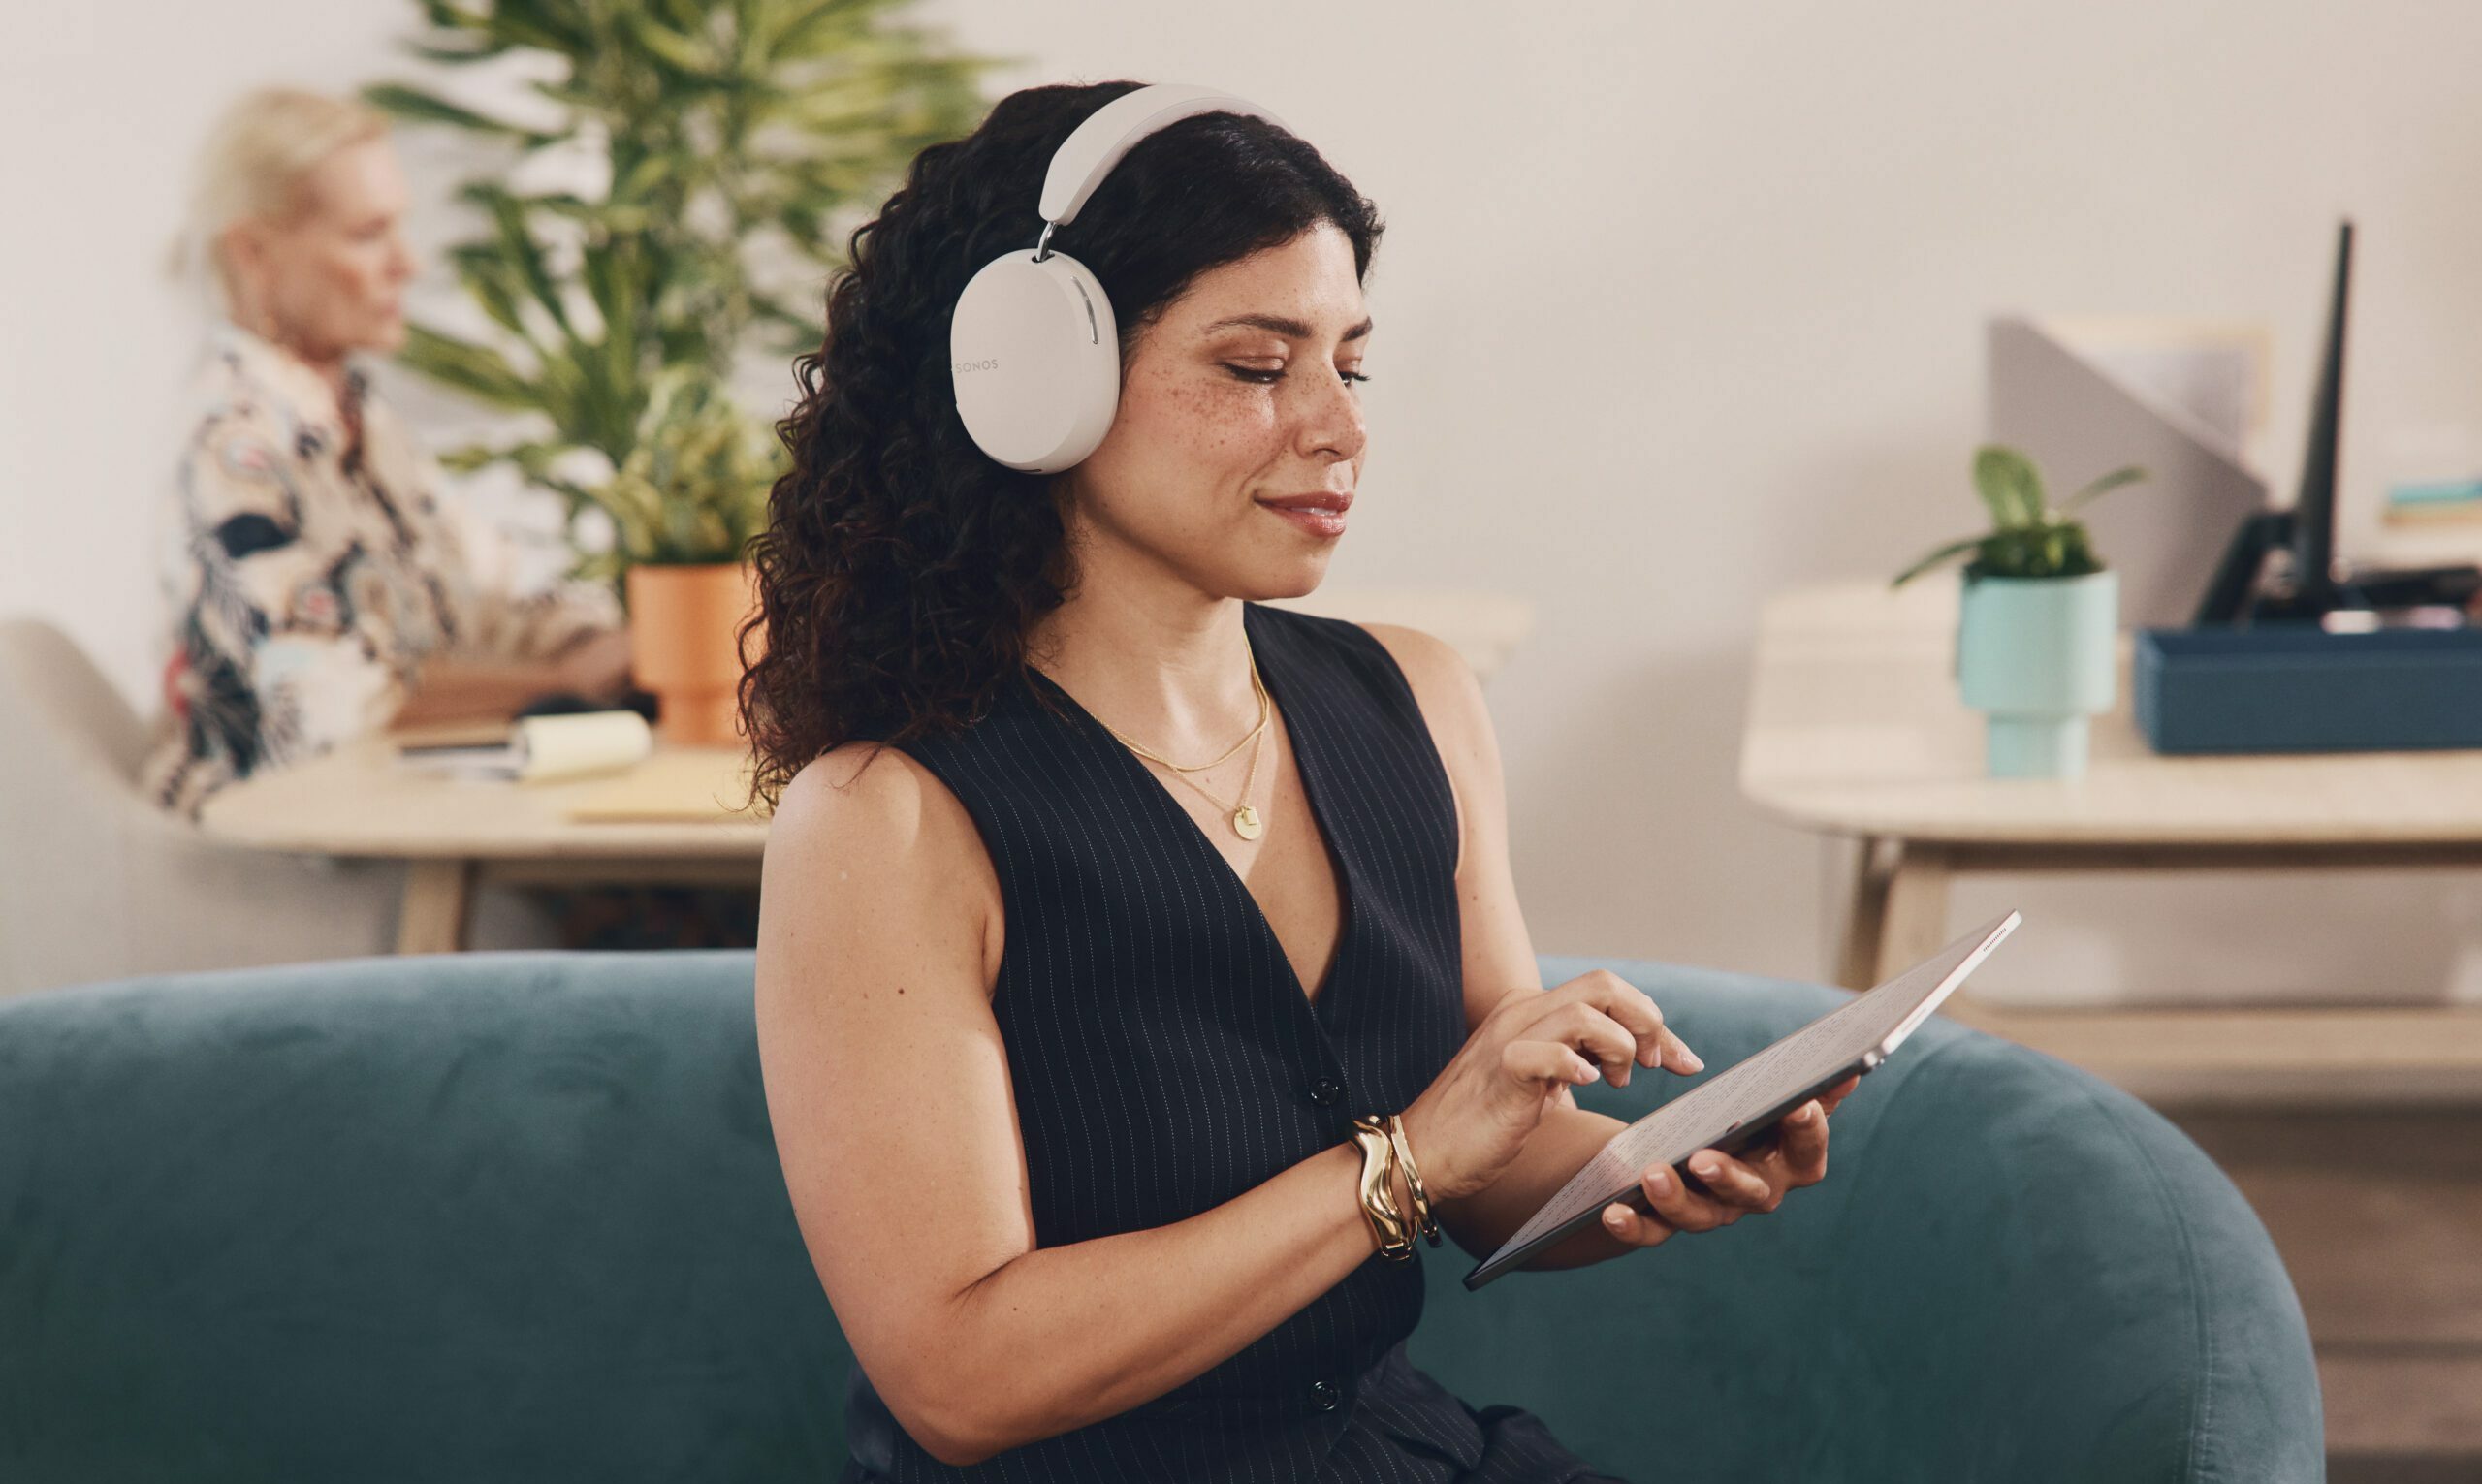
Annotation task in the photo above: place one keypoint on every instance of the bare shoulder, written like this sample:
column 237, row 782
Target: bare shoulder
column 865, row 823
column 1443, row 683
column 859, row 786
column 1450, row 698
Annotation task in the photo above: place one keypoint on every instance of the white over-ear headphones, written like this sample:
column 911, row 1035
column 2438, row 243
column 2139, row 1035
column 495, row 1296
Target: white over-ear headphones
column 1033, row 351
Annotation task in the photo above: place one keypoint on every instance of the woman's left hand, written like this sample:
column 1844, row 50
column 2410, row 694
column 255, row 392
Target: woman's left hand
column 1794, row 1154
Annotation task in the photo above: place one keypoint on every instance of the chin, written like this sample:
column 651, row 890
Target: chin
column 1297, row 579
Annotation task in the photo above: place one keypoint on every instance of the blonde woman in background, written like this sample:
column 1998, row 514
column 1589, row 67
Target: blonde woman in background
column 322, row 586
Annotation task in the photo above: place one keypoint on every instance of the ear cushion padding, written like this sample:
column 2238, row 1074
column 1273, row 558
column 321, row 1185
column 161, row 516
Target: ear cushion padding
column 1034, row 355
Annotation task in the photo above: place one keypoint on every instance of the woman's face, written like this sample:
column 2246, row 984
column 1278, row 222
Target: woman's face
column 1240, row 393
column 331, row 279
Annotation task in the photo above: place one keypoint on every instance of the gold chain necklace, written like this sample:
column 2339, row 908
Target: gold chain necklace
column 1246, row 736
column 1244, row 814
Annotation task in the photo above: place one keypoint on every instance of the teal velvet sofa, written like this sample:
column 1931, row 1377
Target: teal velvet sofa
column 517, row 1215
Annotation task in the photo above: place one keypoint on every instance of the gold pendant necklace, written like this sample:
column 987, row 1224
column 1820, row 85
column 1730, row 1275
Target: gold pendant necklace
column 1244, row 814
column 1245, row 819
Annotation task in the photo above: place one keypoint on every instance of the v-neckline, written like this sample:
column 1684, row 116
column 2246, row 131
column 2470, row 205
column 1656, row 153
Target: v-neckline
column 1347, row 894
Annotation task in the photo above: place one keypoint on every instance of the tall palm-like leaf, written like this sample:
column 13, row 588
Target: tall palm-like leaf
column 738, row 133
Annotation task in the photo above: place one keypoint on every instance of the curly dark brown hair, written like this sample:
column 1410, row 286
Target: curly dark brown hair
column 903, row 568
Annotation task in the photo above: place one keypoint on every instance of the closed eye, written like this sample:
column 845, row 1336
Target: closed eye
column 1270, row 378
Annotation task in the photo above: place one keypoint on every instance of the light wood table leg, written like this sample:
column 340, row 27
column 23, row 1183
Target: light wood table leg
column 439, row 895
column 1914, row 924
column 1865, row 913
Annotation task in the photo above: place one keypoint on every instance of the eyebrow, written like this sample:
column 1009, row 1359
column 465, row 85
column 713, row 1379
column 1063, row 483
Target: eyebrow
column 1280, row 325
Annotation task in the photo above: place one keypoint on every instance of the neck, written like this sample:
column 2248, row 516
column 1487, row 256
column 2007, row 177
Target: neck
column 329, row 365
column 326, row 363
column 1147, row 652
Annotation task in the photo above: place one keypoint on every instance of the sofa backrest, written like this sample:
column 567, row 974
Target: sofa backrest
column 486, row 1217
column 501, row 1216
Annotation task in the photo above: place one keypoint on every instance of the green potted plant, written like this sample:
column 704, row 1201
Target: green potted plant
column 683, row 507
column 732, row 145
column 2037, row 620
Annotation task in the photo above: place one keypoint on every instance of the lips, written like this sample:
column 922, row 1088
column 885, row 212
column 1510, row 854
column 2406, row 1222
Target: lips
column 1332, row 502
column 1315, row 513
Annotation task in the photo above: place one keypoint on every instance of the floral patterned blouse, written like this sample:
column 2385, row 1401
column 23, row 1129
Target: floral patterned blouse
column 311, row 566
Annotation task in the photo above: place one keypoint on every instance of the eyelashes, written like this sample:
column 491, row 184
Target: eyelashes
column 1270, row 378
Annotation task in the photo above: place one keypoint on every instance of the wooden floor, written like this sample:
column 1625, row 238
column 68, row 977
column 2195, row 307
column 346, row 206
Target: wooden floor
column 2378, row 1216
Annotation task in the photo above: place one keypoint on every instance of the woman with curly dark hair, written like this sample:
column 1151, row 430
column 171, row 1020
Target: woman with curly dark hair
column 1140, row 972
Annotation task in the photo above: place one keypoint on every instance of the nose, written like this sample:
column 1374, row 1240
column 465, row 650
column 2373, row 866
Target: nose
column 1331, row 418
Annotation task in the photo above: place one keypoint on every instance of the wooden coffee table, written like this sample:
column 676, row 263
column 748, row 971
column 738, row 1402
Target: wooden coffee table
column 1855, row 731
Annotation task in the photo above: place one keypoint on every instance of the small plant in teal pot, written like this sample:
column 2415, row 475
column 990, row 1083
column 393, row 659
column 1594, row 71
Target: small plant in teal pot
column 2038, row 619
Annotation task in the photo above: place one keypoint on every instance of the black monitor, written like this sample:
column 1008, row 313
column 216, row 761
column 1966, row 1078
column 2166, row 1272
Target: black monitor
column 2314, row 523
column 2247, row 587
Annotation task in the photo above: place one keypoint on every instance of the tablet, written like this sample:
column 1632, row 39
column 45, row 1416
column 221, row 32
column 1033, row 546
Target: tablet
column 1742, row 1102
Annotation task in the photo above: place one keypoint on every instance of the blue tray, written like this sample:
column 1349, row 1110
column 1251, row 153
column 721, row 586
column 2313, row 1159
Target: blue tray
column 2296, row 688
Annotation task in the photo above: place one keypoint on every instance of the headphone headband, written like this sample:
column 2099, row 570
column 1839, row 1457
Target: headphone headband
column 1034, row 348
column 1089, row 152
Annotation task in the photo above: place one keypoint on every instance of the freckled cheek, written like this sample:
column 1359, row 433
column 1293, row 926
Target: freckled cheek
column 1211, row 426
column 1242, row 424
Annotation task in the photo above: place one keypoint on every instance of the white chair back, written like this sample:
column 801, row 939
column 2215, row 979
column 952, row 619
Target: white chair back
column 97, row 883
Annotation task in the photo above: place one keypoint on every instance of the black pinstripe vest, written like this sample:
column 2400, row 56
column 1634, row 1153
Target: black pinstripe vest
column 1165, row 1057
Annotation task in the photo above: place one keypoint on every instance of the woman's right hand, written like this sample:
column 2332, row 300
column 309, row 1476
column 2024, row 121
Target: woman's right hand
column 1474, row 1118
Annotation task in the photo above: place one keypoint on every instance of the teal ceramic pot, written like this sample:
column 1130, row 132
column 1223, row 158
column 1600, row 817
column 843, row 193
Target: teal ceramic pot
column 2037, row 654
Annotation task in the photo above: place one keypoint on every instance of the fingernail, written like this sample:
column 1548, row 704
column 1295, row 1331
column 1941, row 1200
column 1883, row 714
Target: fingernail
column 1707, row 1169
column 1660, row 1182
column 1696, row 1063
column 1614, row 1218
column 1590, row 1074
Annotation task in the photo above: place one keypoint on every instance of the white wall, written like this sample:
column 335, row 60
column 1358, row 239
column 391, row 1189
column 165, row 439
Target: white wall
column 1679, row 304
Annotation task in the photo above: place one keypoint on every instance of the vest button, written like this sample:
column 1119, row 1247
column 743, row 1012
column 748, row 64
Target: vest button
column 1327, row 1091
column 1322, row 1395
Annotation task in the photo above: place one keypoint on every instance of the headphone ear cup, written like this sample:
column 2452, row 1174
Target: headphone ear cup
column 1034, row 354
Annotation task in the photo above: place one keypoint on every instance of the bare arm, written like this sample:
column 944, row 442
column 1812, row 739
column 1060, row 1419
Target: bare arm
column 887, row 1082
column 1499, row 966
column 1498, row 955
column 1567, row 1139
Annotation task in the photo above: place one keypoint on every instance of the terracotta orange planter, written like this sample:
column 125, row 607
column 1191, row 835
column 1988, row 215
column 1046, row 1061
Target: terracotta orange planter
column 682, row 623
